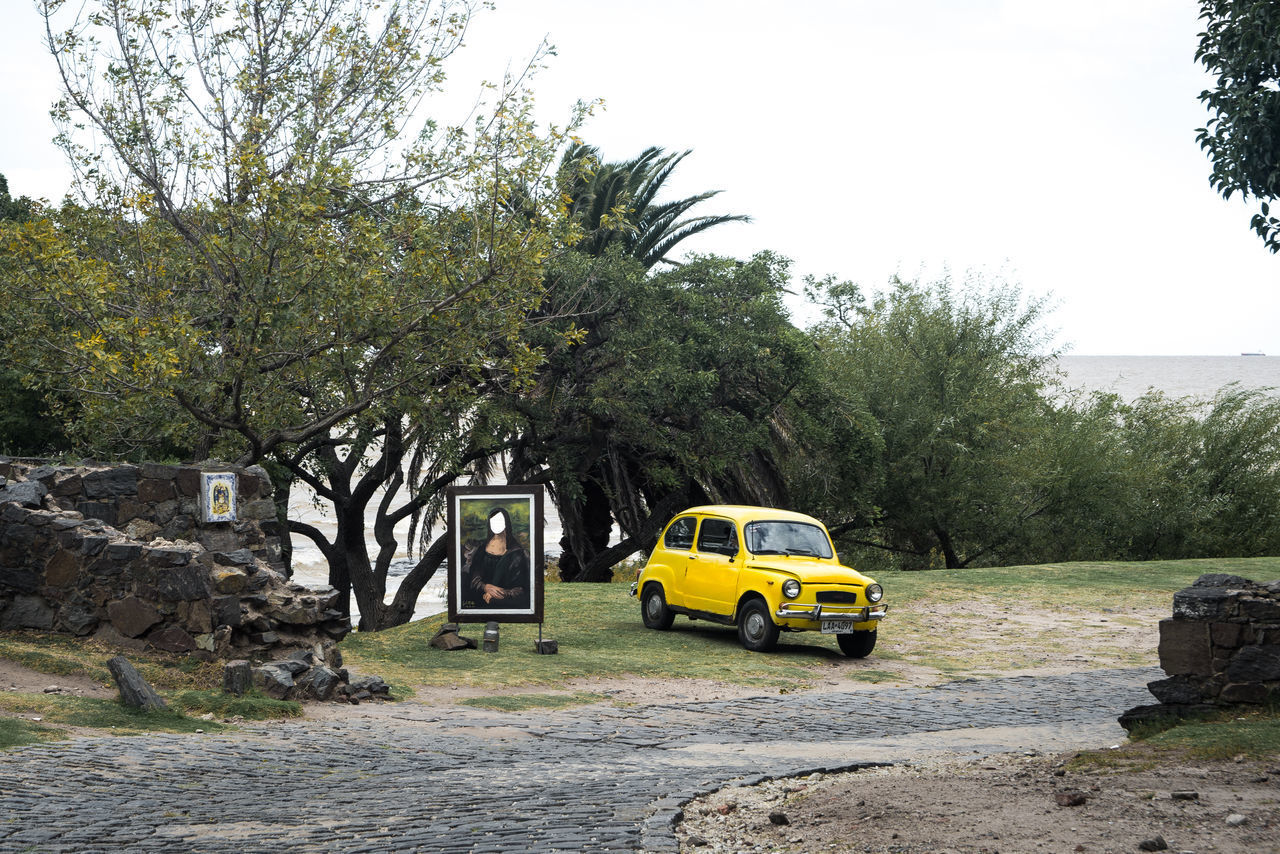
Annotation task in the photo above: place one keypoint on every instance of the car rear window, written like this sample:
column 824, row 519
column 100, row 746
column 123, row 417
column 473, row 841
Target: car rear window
column 680, row 534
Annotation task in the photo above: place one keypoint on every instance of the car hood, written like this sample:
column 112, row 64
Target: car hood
column 811, row 571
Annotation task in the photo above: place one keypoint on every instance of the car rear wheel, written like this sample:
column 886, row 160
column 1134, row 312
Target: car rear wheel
column 653, row 608
column 756, row 629
column 857, row 644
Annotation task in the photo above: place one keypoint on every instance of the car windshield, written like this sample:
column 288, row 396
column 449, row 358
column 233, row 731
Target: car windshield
column 787, row 538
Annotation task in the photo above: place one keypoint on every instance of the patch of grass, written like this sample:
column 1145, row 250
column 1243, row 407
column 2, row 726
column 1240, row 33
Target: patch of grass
column 1254, row 734
column 600, row 635
column 63, row 655
column 872, row 676
column 15, row 732
column 252, row 706
column 522, row 702
column 92, row 713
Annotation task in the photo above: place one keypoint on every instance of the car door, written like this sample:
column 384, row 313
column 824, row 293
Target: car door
column 711, row 580
column 677, row 545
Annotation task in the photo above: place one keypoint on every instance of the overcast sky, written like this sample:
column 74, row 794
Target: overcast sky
column 1049, row 144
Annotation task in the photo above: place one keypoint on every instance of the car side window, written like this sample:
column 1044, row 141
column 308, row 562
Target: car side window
column 680, row 534
column 717, row 535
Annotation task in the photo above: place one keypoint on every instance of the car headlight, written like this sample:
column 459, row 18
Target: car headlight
column 874, row 592
column 791, row 588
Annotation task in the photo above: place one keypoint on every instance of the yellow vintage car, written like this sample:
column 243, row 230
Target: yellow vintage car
column 765, row 571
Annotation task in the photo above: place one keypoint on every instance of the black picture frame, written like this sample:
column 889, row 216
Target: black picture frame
column 473, row 562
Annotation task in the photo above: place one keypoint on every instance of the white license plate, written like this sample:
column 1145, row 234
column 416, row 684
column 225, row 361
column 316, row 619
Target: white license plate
column 837, row 627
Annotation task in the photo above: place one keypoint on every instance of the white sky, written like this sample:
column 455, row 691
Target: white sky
column 1050, row 143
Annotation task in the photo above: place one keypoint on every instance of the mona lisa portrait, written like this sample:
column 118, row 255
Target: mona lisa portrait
column 496, row 566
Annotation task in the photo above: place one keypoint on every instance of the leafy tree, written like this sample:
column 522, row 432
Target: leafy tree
column 266, row 260
column 621, row 221
column 671, row 397
column 1241, row 47
column 953, row 378
column 27, row 422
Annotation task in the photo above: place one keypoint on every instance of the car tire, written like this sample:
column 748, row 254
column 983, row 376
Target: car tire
column 857, row 644
column 653, row 608
column 756, row 629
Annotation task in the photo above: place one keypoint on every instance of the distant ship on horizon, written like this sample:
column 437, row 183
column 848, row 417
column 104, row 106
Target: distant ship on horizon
column 1253, row 354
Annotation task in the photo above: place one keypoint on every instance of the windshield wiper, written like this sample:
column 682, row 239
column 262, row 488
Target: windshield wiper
column 805, row 552
column 767, row 552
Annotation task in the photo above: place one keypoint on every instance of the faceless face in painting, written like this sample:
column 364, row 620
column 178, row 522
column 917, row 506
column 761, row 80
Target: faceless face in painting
column 497, row 522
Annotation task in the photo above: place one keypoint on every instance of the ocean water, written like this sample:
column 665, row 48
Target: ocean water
column 1127, row 376
column 1176, row 376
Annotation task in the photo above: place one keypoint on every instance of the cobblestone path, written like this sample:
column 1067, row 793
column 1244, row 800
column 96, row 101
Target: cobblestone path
column 432, row 778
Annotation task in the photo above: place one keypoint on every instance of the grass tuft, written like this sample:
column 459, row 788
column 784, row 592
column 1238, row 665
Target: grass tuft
column 523, row 702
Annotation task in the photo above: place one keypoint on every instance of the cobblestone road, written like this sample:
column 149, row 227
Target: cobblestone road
column 592, row 778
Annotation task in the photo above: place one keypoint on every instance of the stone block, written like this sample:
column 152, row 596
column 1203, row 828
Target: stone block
column 196, row 616
column 1254, row 664
column 1222, row 579
column 1257, row 609
column 27, row 612
column 228, row 579
column 141, row 530
column 1209, row 604
column 262, row 488
column 273, row 681
column 1185, row 648
column 61, row 569
column 188, row 482
column 28, row 493
column 237, row 677
column 218, row 539
column 181, row 582
column 1230, row 635
column 179, row 527
column 91, row 545
column 319, row 682
column 24, row 579
column 109, row 635
column 44, row 474
column 127, row 510
column 225, row 611
column 124, row 551
column 263, row 508
column 134, row 690
column 131, row 616
column 104, row 511
column 1248, row 692
column 67, row 486
column 153, row 491
column 239, row 557
column 171, row 639
column 77, row 619
column 111, row 483
column 1176, row 689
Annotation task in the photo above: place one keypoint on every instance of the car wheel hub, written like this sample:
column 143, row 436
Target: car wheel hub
column 755, row 626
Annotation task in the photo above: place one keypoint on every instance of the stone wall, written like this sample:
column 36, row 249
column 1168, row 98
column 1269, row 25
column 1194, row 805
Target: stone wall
column 1221, row 647
column 121, row 553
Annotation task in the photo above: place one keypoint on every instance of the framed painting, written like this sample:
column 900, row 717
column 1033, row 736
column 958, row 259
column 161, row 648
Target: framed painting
column 218, row 496
column 495, row 554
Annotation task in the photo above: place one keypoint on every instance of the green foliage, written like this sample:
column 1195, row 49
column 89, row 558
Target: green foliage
column 1241, row 47
column 669, row 396
column 952, row 378
column 269, row 254
column 91, row 713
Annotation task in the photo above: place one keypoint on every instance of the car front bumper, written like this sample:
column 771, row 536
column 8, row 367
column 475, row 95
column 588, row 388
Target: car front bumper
column 819, row 612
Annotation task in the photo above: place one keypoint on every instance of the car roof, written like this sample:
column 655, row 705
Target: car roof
column 743, row 513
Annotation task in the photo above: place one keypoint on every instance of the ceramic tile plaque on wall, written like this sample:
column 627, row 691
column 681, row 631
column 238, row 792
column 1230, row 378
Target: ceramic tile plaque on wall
column 218, row 496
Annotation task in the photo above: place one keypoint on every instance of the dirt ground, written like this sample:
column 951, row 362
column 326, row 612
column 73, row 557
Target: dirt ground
column 1012, row 803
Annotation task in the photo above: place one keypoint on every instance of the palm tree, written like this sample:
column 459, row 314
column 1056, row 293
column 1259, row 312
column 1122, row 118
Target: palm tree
column 615, row 203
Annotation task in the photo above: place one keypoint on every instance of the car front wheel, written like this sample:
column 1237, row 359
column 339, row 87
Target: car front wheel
column 653, row 608
column 857, row 644
column 756, row 629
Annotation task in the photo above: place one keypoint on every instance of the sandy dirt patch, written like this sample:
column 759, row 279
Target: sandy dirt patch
column 1011, row 803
